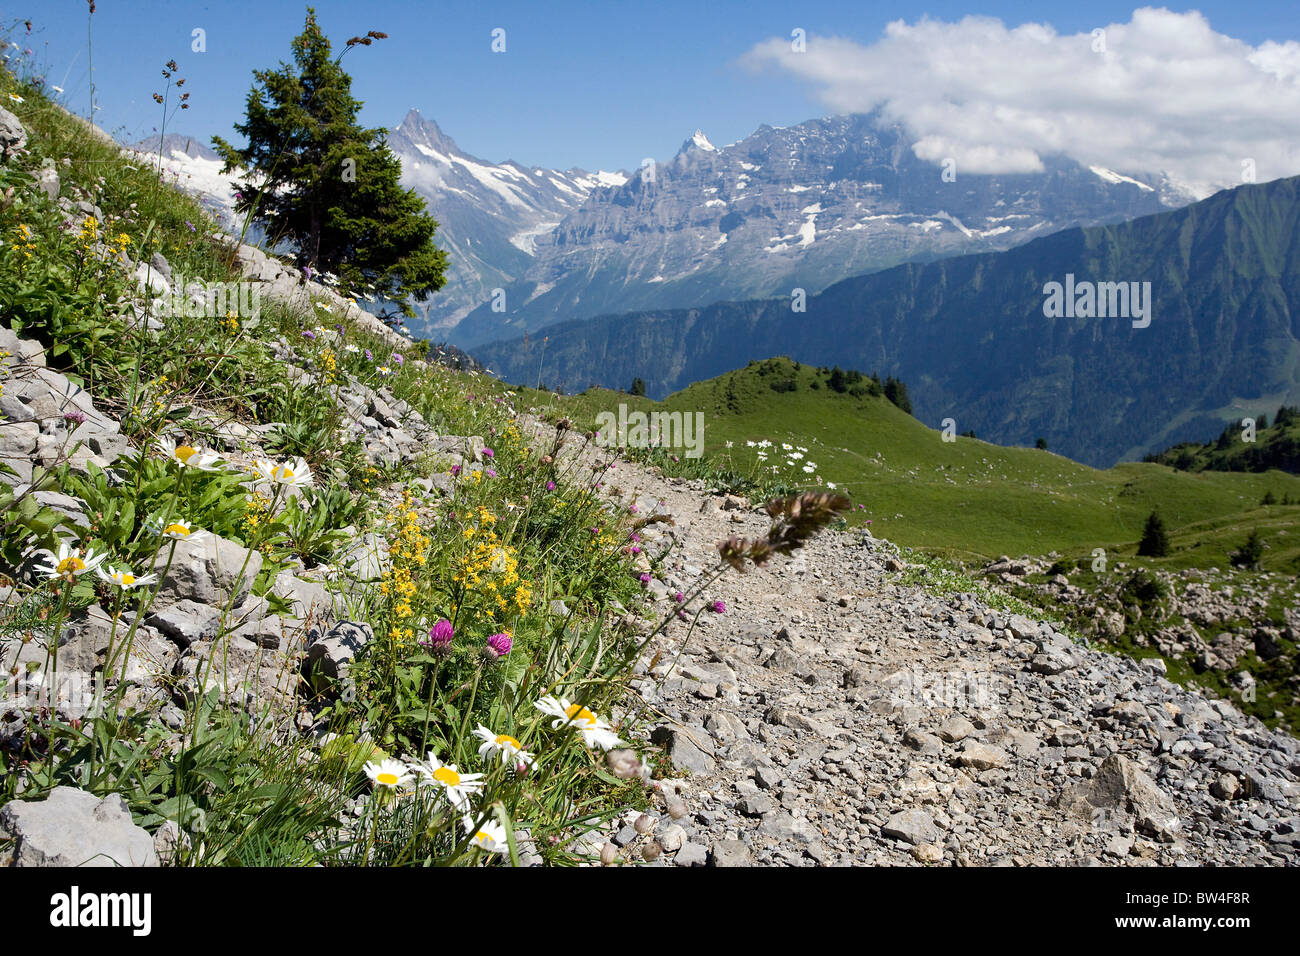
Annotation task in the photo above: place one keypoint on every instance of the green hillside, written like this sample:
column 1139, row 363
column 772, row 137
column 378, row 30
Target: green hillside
column 1237, row 449
column 966, row 498
column 973, row 336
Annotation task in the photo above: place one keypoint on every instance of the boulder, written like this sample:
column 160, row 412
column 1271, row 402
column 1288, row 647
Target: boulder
column 1120, row 784
column 72, row 827
column 13, row 136
column 689, row 748
column 331, row 653
column 211, row 571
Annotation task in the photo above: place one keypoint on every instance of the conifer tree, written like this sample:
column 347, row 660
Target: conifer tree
column 1155, row 540
column 326, row 185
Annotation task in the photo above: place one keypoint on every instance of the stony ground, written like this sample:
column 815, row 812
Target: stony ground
column 831, row 716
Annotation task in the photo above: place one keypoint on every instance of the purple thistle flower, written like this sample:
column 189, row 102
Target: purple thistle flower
column 645, row 578
column 440, row 635
column 455, row 471
column 498, row 645
column 550, row 486
column 679, row 597
column 718, row 607
column 75, row 417
column 488, row 453
column 631, row 509
column 491, row 473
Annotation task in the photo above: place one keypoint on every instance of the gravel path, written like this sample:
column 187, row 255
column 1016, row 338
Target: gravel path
column 832, row 716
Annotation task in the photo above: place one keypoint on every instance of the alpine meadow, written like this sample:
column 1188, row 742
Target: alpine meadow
column 906, row 473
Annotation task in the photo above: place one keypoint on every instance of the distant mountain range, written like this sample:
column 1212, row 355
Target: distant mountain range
column 803, row 206
column 797, row 207
column 970, row 336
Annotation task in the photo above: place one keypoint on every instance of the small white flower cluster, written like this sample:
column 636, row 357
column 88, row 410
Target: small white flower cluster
column 458, row 788
column 794, row 457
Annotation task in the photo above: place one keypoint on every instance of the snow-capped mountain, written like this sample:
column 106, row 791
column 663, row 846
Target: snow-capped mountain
column 803, row 206
column 796, row 207
column 490, row 215
column 195, row 168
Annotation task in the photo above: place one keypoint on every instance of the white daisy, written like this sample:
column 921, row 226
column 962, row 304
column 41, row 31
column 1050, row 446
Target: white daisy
column 511, row 750
column 595, row 732
column 187, row 456
column 176, row 530
column 458, row 787
column 16, row 98
column 70, row 562
column 294, row 473
column 389, row 773
column 490, row 837
column 124, row 579
column 384, row 370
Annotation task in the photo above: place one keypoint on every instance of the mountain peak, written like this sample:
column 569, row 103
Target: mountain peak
column 700, row 141
column 417, row 128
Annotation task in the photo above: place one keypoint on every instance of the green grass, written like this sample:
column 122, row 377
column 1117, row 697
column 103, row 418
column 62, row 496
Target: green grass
column 967, row 499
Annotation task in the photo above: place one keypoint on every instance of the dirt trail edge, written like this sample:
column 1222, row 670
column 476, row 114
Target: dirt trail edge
column 833, row 716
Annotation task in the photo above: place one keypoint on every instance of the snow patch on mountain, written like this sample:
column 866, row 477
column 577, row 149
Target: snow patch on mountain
column 1113, row 177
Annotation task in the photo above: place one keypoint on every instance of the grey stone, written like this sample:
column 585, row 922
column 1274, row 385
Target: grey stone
column 211, row 571
column 787, row 827
column 756, row 805
column 310, row 599
column 692, row 854
column 13, row 136
column 672, row 837
column 730, row 853
column 1121, row 783
column 689, row 748
column 72, row 827
column 981, row 756
column 47, row 180
column 955, row 728
column 186, row 622
column 911, row 826
column 330, row 654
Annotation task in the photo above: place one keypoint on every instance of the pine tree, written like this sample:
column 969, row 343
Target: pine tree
column 1155, row 540
column 638, row 387
column 1250, row 553
column 896, row 392
column 327, row 185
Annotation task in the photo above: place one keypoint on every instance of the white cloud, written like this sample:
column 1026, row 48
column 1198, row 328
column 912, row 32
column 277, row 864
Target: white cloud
column 1167, row 94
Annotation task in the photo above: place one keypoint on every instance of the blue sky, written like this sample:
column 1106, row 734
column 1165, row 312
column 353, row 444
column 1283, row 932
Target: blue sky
column 597, row 85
